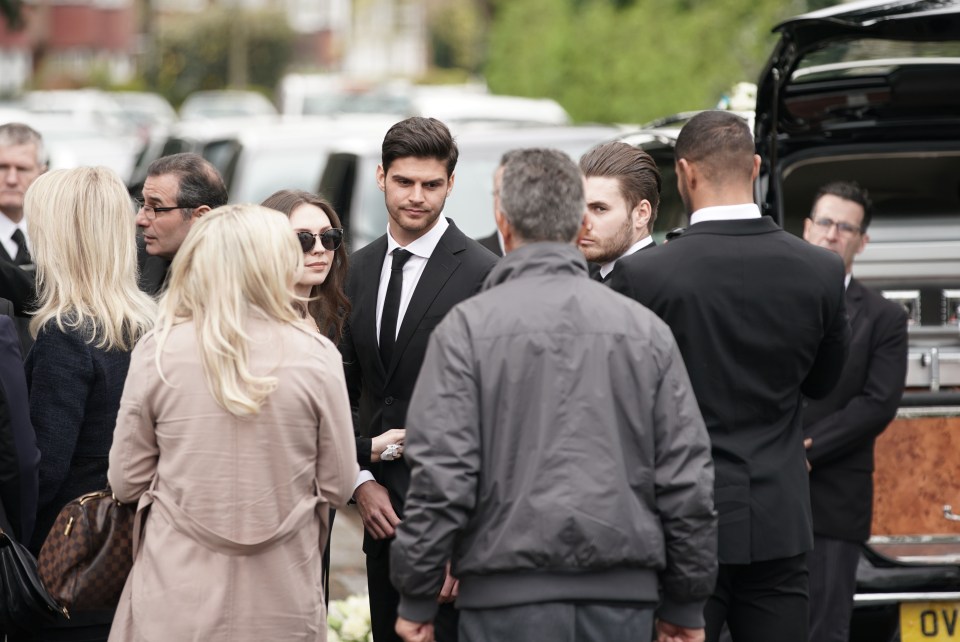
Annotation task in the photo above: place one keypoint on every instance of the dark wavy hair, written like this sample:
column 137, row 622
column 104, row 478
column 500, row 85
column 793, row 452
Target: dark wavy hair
column 328, row 304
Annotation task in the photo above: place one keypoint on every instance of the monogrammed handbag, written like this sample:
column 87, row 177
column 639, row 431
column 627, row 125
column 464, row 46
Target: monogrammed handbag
column 88, row 553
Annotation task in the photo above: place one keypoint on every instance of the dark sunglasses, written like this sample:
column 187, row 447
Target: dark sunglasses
column 329, row 239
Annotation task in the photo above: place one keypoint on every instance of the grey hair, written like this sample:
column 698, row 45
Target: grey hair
column 542, row 195
column 20, row 134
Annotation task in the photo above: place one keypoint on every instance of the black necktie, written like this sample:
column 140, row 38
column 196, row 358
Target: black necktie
column 23, row 254
column 391, row 306
column 598, row 277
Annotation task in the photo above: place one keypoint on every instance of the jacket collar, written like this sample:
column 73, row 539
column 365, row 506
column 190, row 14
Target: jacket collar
column 537, row 259
column 741, row 227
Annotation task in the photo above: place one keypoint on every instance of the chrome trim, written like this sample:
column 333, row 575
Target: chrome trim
column 867, row 599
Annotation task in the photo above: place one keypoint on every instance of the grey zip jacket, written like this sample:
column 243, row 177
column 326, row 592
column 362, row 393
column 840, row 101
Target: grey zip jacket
column 557, row 452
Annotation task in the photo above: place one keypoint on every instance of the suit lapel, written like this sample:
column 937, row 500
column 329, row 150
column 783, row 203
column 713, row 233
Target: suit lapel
column 3, row 253
column 439, row 267
column 367, row 314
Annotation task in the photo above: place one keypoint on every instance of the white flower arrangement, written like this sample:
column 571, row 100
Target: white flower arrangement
column 349, row 620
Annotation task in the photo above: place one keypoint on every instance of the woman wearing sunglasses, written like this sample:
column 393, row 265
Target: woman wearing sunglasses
column 324, row 257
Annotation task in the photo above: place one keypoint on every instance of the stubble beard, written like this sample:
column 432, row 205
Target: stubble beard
column 613, row 248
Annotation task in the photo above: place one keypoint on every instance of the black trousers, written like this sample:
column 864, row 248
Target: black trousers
column 833, row 583
column 760, row 602
column 384, row 601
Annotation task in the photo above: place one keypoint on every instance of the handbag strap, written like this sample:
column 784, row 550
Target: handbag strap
column 184, row 523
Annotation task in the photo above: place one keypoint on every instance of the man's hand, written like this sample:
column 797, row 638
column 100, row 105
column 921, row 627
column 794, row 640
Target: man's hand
column 380, row 442
column 667, row 632
column 451, row 588
column 806, row 446
column 377, row 513
column 414, row 631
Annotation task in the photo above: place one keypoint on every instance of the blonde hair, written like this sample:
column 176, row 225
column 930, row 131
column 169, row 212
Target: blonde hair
column 82, row 230
column 236, row 259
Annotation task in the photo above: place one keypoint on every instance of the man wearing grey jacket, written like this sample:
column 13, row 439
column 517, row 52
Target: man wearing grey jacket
column 558, row 458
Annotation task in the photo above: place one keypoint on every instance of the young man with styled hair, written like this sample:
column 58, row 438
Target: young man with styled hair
column 623, row 194
column 400, row 287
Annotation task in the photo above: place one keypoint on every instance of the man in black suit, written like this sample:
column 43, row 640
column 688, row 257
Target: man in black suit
column 842, row 427
column 21, row 162
column 623, row 193
column 759, row 318
column 178, row 190
column 400, row 287
column 19, row 457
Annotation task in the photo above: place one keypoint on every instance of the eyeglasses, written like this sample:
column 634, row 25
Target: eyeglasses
column 843, row 228
column 329, row 239
column 151, row 212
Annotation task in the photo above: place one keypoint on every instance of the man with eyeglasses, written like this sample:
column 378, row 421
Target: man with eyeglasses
column 841, row 428
column 178, row 190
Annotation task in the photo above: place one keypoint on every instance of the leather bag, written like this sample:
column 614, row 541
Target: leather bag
column 25, row 604
column 85, row 560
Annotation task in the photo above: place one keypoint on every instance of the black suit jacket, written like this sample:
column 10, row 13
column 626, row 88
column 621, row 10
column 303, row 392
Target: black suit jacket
column 19, row 287
column 380, row 395
column 758, row 315
column 19, row 457
column 845, row 424
column 492, row 243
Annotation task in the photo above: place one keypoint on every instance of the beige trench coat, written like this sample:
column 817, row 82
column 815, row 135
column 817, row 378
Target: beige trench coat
column 237, row 518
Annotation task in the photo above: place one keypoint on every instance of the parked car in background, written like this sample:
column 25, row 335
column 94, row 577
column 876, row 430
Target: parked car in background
column 84, row 127
column 226, row 103
column 349, row 177
column 291, row 155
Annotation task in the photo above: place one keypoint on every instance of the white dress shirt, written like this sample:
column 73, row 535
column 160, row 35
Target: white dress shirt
column 607, row 268
column 7, row 228
column 421, row 249
column 725, row 213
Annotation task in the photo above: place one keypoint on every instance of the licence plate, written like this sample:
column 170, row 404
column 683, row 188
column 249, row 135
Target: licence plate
column 930, row 622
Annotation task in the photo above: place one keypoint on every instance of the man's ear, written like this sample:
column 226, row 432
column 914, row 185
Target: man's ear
column 756, row 167
column 450, row 183
column 381, row 178
column 505, row 229
column 643, row 213
column 199, row 211
column 682, row 169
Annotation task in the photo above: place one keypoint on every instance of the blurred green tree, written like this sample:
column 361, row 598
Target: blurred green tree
column 630, row 61
column 193, row 53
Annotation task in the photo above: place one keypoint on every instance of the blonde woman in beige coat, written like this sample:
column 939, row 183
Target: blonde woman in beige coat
column 235, row 437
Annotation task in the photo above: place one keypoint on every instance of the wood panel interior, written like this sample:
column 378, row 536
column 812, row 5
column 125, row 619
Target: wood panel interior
column 917, row 471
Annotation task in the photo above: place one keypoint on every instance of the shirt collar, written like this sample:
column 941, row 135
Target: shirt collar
column 7, row 227
column 607, row 268
column 725, row 213
column 847, row 279
column 426, row 244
